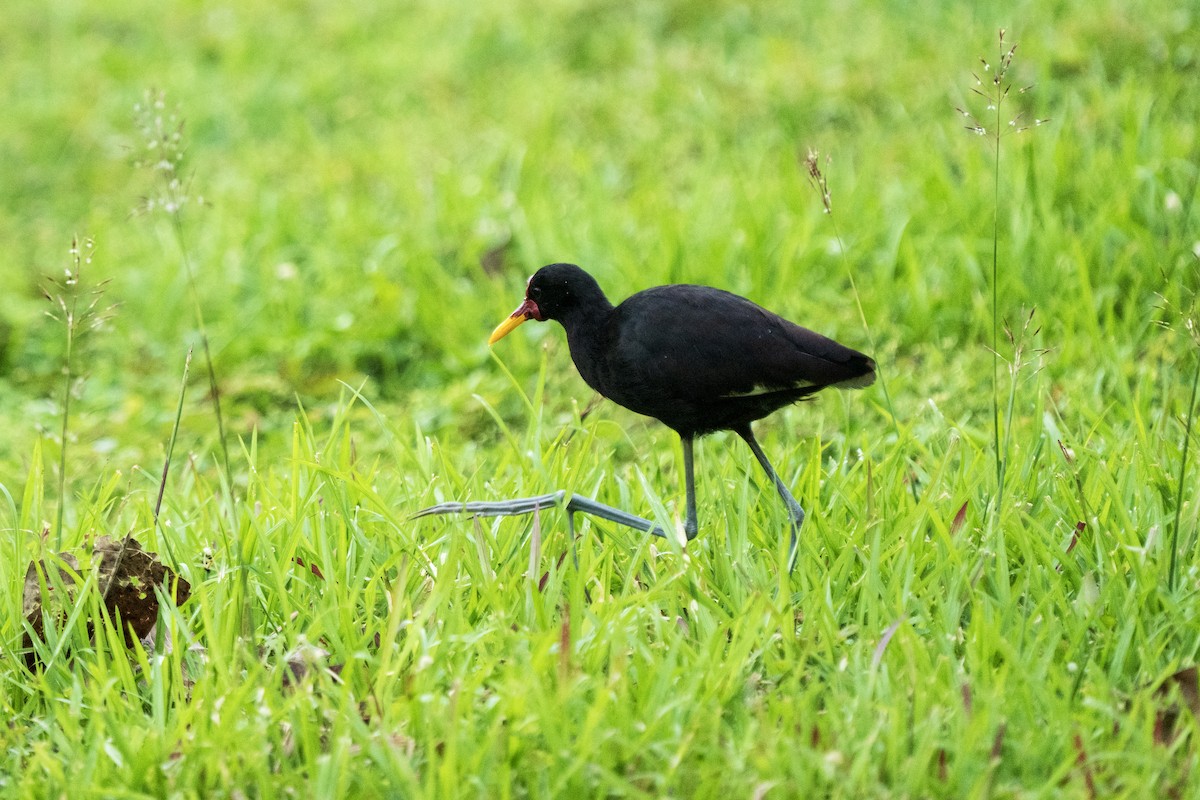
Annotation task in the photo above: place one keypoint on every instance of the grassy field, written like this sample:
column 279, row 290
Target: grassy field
column 998, row 590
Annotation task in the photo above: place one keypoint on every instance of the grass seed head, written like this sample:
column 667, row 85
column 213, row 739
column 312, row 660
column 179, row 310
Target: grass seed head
column 73, row 303
column 994, row 88
column 812, row 165
column 1183, row 315
column 162, row 154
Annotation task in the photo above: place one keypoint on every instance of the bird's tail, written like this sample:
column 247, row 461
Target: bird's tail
column 865, row 369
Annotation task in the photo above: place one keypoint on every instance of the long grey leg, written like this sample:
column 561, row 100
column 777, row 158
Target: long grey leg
column 690, row 526
column 795, row 512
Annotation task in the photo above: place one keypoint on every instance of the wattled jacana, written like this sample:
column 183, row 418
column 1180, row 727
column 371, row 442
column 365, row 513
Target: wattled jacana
column 695, row 358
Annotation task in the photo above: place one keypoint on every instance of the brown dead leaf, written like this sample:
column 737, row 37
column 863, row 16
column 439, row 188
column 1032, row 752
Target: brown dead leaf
column 1178, row 692
column 959, row 518
column 37, row 575
column 313, row 568
column 127, row 577
column 1081, row 761
column 564, row 645
column 998, row 742
column 50, row 586
column 1080, row 527
column 305, row 660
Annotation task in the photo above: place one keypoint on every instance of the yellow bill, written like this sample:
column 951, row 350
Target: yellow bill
column 527, row 310
column 506, row 327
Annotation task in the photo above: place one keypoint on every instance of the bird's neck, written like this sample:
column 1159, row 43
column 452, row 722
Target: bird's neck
column 587, row 327
column 586, row 320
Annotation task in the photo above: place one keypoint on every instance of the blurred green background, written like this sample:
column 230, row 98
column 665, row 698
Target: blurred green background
column 378, row 180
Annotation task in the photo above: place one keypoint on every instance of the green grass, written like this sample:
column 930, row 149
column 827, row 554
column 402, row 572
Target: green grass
column 358, row 163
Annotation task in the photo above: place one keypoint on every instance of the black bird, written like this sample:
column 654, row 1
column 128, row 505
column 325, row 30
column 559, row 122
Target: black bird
column 695, row 358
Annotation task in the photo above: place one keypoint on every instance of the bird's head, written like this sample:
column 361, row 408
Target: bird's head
column 553, row 292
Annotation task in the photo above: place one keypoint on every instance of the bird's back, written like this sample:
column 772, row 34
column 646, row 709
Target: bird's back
column 701, row 359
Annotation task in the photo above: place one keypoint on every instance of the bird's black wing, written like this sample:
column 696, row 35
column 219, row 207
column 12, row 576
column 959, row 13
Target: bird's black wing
column 698, row 342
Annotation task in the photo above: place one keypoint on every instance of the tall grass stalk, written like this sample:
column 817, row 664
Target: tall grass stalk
column 994, row 87
column 1185, row 314
column 76, row 307
column 162, row 484
column 1183, row 459
column 162, row 135
column 819, row 181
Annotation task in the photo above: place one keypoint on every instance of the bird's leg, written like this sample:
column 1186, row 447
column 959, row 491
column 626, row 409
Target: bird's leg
column 795, row 512
column 690, row 526
column 527, row 505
